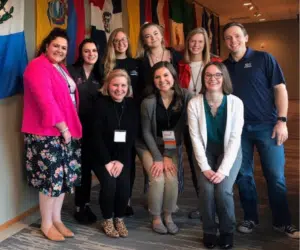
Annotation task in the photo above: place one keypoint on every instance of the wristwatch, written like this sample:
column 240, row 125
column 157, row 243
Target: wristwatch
column 282, row 119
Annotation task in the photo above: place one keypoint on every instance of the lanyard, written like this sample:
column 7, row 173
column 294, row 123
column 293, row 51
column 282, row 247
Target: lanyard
column 65, row 77
column 119, row 117
column 195, row 83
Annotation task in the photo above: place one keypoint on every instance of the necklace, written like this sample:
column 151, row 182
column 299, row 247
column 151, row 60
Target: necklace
column 195, row 82
column 214, row 105
column 156, row 58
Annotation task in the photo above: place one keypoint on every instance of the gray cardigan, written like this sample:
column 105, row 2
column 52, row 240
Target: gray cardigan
column 148, row 121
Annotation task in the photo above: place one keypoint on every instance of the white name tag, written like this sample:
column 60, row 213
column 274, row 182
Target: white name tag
column 168, row 135
column 120, row 136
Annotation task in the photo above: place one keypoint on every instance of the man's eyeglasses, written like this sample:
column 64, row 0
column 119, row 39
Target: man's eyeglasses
column 216, row 76
column 123, row 40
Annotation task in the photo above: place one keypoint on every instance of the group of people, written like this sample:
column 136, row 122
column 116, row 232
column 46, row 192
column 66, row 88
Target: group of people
column 98, row 115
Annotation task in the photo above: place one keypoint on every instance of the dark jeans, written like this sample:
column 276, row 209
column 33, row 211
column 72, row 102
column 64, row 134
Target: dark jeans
column 218, row 197
column 191, row 158
column 114, row 193
column 82, row 192
column 272, row 161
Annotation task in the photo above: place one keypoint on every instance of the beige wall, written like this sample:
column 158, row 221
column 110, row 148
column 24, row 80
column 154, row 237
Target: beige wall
column 15, row 195
column 281, row 39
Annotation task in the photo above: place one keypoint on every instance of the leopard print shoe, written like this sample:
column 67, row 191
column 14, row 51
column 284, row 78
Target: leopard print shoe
column 109, row 228
column 121, row 227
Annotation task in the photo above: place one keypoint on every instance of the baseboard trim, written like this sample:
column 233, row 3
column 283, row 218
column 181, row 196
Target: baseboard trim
column 19, row 218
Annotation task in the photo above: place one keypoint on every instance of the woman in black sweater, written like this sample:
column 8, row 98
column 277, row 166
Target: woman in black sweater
column 118, row 56
column 115, row 126
column 87, row 74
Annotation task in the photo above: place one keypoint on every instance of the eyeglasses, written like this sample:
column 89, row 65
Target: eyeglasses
column 216, row 76
column 123, row 40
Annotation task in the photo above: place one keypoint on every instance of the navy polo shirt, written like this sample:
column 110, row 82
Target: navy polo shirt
column 253, row 79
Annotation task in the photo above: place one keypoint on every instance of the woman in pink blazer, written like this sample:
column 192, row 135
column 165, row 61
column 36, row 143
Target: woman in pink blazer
column 52, row 129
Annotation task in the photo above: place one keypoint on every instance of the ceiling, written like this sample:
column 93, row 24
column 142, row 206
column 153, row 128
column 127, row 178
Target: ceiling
column 233, row 10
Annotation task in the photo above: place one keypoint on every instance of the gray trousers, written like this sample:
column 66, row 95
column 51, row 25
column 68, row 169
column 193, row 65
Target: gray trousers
column 163, row 190
column 218, row 197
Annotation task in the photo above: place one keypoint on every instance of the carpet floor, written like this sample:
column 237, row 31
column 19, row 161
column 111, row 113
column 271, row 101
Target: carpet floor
column 142, row 237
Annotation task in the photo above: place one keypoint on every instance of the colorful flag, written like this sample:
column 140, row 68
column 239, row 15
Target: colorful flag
column 13, row 55
column 134, row 25
column 148, row 11
column 75, row 27
column 65, row 14
column 106, row 15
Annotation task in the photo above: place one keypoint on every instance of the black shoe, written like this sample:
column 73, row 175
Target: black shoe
column 195, row 214
column 209, row 240
column 129, row 211
column 226, row 241
column 85, row 215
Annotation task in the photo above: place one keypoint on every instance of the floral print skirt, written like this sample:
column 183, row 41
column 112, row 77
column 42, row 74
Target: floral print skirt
column 52, row 166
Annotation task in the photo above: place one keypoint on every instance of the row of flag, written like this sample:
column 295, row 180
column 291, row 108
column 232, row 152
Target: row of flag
column 67, row 14
column 176, row 16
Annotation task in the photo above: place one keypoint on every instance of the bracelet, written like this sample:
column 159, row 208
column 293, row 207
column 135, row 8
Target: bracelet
column 64, row 130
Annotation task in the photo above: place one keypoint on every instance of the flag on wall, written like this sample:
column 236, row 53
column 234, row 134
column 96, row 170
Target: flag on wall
column 160, row 15
column 75, row 27
column 134, row 25
column 106, row 15
column 13, row 55
column 65, row 14
column 148, row 11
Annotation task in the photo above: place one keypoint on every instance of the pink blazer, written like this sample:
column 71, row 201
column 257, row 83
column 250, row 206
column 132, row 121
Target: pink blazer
column 47, row 100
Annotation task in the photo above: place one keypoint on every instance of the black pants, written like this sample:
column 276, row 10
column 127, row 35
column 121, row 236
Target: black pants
column 190, row 153
column 83, row 192
column 132, row 170
column 114, row 193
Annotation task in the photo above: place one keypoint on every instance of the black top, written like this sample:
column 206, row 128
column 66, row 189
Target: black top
column 131, row 66
column 166, row 119
column 145, row 67
column 108, row 116
column 87, row 88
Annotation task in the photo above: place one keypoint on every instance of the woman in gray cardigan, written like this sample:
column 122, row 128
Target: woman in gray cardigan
column 163, row 118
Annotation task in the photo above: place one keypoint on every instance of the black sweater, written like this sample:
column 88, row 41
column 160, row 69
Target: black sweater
column 104, row 118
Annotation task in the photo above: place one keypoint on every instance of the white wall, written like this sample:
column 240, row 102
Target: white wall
column 281, row 39
column 15, row 195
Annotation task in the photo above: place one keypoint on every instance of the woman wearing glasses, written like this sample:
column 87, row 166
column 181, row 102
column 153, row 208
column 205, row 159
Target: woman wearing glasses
column 216, row 120
column 118, row 56
column 196, row 55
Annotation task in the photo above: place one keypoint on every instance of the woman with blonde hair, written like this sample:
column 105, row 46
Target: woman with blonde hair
column 152, row 49
column 115, row 125
column 118, row 56
column 196, row 56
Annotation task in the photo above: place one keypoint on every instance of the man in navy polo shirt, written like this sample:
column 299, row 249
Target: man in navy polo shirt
column 258, row 80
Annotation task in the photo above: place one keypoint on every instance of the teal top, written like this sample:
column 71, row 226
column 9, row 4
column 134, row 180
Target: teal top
column 216, row 124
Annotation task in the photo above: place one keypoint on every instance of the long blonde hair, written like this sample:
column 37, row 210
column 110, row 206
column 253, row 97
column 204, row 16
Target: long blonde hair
column 206, row 49
column 109, row 59
column 142, row 47
column 113, row 74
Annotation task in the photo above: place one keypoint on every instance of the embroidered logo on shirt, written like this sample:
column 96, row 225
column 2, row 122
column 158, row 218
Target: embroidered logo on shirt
column 133, row 73
column 248, row 65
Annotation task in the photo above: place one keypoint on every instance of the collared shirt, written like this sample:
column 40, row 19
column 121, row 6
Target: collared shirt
column 166, row 119
column 216, row 125
column 253, row 78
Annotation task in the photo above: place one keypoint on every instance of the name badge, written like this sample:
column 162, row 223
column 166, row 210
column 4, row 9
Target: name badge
column 169, row 139
column 120, row 136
